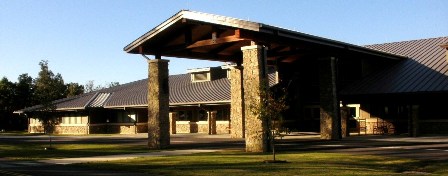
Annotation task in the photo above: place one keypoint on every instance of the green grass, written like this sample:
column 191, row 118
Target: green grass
column 240, row 163
column 18, row 133
column 36, row 151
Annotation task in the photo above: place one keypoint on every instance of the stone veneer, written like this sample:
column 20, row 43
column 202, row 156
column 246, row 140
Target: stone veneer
column 158, row 104
column 237, row 104
column 71, row 130
column 254, row 75
column 186, row 127
column 211, row 120
column 203, row 127
column 222, row 127
column 330, row 119
column 173, row 119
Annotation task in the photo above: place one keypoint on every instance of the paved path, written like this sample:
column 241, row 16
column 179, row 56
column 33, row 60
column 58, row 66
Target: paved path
column 421, row 148
column 65, row 161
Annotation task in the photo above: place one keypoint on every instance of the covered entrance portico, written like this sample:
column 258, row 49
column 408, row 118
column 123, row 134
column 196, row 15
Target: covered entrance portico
column 313, row 69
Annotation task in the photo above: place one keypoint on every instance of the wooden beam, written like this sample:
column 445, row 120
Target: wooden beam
column 217, row 40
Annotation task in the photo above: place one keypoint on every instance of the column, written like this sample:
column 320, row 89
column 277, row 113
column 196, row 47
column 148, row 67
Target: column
column 345, row 117
column 414, row 131
column 330, row 119
column 237, row 103
column 158, row 104
column 173, row 119
column 254, row 62
column 211, row 122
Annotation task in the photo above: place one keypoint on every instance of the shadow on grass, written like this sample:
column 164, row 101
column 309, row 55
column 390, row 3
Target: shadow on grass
column 31, row 151
column 233, row 163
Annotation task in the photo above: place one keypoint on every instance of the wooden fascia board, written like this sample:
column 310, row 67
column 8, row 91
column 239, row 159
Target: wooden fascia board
column 196, row 16
column 139, row 41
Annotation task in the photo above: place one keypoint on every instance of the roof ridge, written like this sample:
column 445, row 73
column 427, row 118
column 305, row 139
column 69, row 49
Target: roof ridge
column 413, row 40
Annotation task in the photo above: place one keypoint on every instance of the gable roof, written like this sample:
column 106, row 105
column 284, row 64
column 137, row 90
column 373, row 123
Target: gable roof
column 198, row 35
column 426, row 70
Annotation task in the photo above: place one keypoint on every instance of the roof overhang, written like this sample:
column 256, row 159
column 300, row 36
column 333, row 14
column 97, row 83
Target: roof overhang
column 198, row 35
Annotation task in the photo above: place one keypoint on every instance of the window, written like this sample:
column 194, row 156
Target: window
column 354, row 110
column 202, row 115
column 126, row 117
column 71, row 118
column 200, row 76
column 223, row 114
column 185, row 116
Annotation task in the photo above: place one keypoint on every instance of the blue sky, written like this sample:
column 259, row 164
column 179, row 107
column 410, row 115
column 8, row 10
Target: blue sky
column 84, row 39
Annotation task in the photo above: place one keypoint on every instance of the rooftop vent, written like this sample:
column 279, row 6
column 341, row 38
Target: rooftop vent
column 99, row 100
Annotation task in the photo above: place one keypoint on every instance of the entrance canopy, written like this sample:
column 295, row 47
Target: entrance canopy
column 198, row 35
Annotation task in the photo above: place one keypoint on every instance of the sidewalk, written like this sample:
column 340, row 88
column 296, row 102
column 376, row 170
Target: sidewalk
column 65, row 161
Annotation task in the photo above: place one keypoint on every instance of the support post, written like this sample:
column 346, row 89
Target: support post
column 173, row 119
column 237, row 127
column 414, row 125
column 158, row 104
column 254, row 75
column 211, row 122
column 345, row 117
column 330, row 119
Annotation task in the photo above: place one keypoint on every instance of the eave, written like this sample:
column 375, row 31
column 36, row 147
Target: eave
column 204, row 36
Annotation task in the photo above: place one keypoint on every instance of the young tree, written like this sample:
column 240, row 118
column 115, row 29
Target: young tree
column 273, row 103
column 49, row 87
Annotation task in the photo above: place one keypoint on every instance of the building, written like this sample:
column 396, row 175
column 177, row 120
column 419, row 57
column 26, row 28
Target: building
column 195, row 98
column 389, row 88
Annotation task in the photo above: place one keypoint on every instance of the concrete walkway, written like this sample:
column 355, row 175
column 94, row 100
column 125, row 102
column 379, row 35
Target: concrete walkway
column 65, row 161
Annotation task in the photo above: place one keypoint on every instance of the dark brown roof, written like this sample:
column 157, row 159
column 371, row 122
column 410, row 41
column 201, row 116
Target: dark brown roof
column 426, row 70
column 134, row 94
column 183, row 91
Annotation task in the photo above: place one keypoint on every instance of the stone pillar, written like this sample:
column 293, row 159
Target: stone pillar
column 330, row 119
column 237, row 120
column 211, row 122
column 173, row 119
column 158, row 104
column 254, row 75
column 413, row 130
column 345, row 117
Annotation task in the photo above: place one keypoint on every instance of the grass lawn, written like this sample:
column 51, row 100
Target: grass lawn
column 240, row 163
column 36, row 150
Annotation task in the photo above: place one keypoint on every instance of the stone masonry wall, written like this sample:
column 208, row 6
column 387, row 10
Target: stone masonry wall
column 222, row 127
column 237, row 105
column 254, row 62
column 158, row 104
column 71, row 130
column 202, row 127
column 330, row 119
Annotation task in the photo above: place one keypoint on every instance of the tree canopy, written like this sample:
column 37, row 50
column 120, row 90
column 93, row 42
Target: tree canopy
column 27, row 92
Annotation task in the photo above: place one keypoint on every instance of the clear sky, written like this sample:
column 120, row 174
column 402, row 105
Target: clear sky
column 84, row 39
